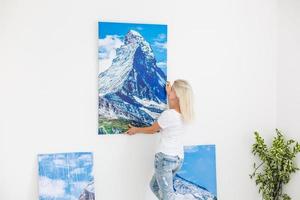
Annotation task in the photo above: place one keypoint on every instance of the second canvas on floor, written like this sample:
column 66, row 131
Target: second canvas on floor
column 132, row 75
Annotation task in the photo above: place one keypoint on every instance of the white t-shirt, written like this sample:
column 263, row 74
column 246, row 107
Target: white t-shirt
column 171, row 124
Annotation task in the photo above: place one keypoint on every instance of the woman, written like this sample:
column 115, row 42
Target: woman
column 169, row 154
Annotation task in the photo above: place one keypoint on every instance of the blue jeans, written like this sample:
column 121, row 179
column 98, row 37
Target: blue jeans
column 161, row 183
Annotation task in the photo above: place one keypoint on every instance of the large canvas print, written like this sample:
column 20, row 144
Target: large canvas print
column 132, row 75
column 197, row 178
column 66, row 176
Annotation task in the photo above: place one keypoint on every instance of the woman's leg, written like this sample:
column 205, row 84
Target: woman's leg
column 165, row 181
column 165, row 168
column 154, row 187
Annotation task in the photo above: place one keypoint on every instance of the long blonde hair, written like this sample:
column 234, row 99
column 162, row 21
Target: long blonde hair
column 184, row 93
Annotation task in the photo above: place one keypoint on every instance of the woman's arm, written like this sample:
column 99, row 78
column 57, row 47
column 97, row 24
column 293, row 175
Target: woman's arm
column 147, row 130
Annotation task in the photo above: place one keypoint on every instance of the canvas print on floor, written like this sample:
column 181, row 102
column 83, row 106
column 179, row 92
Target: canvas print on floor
column 197, row 178
column 132, row 75
column 66, row 176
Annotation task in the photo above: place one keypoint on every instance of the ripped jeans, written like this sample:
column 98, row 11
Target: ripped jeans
column 161, row 183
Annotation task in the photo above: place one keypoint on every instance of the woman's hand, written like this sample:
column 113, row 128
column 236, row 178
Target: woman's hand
column 132, row 130
column 168, row 87
column 147, row 130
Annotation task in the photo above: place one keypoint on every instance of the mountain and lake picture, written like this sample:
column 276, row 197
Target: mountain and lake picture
column 132, row 75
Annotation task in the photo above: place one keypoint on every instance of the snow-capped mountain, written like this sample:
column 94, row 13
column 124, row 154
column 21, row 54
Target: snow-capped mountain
column 133, row 87
column 191, row 191
column 88, row 192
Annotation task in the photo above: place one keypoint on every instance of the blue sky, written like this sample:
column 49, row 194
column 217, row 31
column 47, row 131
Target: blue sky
column 63, row 176
column 200, row 166
column 154, row 34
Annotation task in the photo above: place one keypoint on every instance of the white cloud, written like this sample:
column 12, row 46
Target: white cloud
column 161, row 64
column 80, row 185
column 59, row 162
column 72, row 163
column 161, row 37
column 51, row 188
column 107, row 50
column 160, row 45
column 160, row 41
column 71, row 197
column 78, row 171
column 190, row 149
column 139, row 28
column 87, row 159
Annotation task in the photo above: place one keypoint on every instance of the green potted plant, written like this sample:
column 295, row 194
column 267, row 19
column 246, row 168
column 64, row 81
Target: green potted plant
column 277, row 163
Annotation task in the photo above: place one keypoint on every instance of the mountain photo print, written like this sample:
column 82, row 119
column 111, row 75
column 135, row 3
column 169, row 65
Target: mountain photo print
column 66, row 176
column 132, row 75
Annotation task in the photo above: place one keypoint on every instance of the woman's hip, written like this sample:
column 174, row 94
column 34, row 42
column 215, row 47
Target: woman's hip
column 164, row 162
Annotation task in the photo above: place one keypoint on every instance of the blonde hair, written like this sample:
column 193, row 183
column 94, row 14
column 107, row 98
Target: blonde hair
column 184, row 93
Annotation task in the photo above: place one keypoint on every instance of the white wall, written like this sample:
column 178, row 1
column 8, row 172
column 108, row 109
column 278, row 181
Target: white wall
column 288, row 90
column 227, row 49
